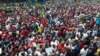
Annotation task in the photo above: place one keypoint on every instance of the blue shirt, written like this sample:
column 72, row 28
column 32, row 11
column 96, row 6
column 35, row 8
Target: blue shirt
column 98, row 20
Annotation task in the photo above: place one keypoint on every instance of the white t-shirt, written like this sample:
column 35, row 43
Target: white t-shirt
column 7, row 26
column 56, row 33
column 38, row 53
column 54, row 43
column 57, row 23
column 34, row 44
column 0, row 32
column 0, row 50
column 18, row 17
column 49, row 50
column 94, row 33
column 83, row 52
column 85, row 35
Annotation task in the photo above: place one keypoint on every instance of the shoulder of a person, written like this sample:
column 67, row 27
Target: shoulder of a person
column 82, row 49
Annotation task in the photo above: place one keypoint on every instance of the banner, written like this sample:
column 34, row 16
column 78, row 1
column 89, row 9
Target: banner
column 39, row 1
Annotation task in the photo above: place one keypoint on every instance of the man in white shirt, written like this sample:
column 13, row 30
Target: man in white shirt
column 0, row 51
column 38, row 52
column 84, row 51
column 49, row 50
column 54, row 42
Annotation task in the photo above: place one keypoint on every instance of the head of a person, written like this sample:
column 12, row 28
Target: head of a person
column 85, row 47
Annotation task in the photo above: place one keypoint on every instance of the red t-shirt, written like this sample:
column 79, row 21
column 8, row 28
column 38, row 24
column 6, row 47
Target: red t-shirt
column 43, row 22
column 68, row 17
column 0, row 14
column 12, row 27
column 60, row 33
column 49, row 39
column 81, row 43
column 24, row 32
column 61, row 47
column 4, row 33
column 40, row 41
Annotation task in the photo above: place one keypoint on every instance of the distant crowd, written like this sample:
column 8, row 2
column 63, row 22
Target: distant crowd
column 57, row 30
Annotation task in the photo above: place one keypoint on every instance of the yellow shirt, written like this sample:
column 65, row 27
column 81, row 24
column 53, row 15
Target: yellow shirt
column 98, row 51
column 39, row 29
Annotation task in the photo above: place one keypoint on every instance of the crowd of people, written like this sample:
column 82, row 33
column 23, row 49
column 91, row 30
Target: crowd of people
column 57, row 30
